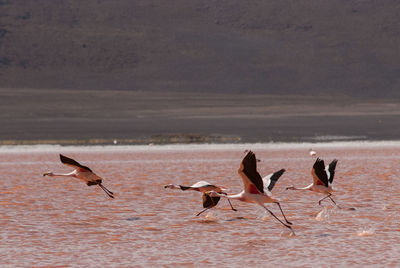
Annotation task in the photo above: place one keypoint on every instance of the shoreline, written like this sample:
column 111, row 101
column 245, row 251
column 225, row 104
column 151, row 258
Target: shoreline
column 187, row 139
column 197, row 146
column 159, row 140
column 53, row 116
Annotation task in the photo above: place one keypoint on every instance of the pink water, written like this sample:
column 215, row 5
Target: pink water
column 62, row 222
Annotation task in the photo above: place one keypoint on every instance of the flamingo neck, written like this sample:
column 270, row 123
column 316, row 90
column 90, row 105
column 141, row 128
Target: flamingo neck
column 238, row 196
column 302, row 188
column 71, row 174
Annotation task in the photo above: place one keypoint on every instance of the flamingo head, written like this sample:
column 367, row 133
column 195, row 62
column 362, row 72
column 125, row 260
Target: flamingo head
column 290, row 188
column 170, row 186
column 312, row 153
column 48, row 174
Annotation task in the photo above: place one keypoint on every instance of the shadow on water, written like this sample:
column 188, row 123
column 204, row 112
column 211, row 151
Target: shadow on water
column 323, row 235
column 133, row 219
column 236, row 219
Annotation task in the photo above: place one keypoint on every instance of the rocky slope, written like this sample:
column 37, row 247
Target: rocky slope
column 274, row 47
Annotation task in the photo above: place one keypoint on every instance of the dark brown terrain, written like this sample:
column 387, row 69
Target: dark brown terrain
column 199, row 71
column 89, row 116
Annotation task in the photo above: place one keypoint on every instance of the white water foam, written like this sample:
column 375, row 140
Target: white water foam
column 366, row 232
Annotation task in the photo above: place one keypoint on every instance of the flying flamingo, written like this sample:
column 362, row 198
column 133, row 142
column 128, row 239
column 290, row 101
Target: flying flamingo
column 81, row 172
column 203, row 187
column 312, row 152
column 256, row 189
column 323, row 178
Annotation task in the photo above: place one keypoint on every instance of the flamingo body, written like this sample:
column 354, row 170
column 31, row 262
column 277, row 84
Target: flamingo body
column 322, row 179
column 203, row 187
column 82, row 173
column 256, row 189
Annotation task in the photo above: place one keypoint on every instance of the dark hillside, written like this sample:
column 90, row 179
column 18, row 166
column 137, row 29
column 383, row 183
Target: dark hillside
column 273, row 47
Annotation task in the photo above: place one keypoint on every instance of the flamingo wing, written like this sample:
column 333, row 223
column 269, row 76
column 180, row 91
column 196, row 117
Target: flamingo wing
column 330, row 169
column 319, row 174
column 209, row 202
column 271, row 179
column 252, row 180
column 201, row 184
column 72, row 163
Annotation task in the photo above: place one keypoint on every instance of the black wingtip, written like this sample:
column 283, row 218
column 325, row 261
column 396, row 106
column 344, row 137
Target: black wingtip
column 318, row 161
column 332, row 165
column 70, row 161
column 249, row 152
column 64, row 159
column 274, row 178
column 279, row 172
column 209, row 202
column 250, row 155
column 184, row 188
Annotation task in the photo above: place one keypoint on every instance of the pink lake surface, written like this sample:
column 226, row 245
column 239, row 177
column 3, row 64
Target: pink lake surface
column 62, row 222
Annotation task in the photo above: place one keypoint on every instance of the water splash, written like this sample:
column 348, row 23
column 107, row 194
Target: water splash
column 366, row 232
column 211, row 217
column 325, row 214
column 264, row 216
column 287, row 233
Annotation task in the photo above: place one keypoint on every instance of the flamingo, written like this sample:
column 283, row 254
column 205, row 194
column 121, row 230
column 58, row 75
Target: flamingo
column 203, row 186
column 81, row 172
column 312, row 152
column 323, row 178
column 256, row 189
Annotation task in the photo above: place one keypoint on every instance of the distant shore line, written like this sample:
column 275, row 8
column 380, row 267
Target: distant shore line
column 234, row 147
column 170, row 139
column 157, row 139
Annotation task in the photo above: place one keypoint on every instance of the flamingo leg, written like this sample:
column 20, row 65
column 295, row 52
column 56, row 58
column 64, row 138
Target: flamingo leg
column 288, row 226
column 198, row 214
column 108, row 192
column 234, row 209
column 279, row 205
column 333, row 201
column 328, row 196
